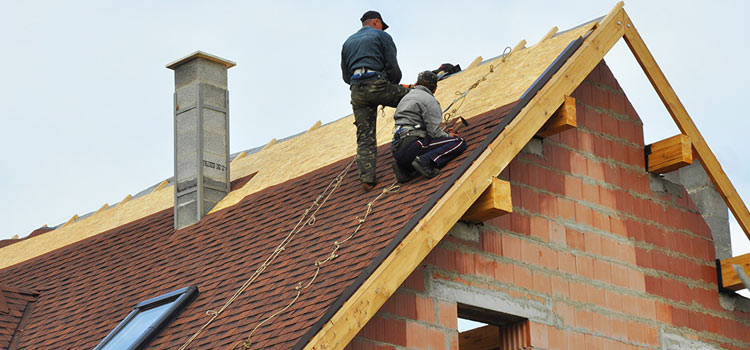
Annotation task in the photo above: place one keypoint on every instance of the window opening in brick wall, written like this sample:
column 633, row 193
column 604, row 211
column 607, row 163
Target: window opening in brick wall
column 481, row 329
column 147, row 319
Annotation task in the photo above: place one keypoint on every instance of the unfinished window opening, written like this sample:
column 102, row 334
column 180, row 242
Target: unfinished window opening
column 481, row 329
column 149, row 317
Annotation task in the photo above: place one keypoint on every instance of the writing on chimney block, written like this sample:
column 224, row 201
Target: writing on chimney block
column 213, row 165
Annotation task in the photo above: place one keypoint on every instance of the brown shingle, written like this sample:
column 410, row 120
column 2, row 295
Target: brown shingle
column 90, row 286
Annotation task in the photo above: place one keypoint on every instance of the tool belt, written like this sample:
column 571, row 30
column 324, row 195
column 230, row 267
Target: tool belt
column 406, row 134
column 364, row 73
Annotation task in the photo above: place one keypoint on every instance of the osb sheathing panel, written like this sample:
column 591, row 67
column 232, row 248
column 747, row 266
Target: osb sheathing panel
column 319, row 146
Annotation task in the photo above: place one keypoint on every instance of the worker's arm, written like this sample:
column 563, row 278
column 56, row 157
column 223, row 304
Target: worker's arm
column 345, row 73
column 389, row 55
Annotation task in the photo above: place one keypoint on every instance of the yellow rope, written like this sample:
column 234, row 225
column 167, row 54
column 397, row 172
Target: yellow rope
column 245, row 344
column 448, row 116
column 308, row 218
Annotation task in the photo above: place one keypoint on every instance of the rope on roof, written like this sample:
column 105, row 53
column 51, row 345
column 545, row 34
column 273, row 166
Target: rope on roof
column 247, row 343
column 308, row 218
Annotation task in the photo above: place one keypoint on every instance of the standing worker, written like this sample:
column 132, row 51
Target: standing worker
column 369, row 66
column 420, row 145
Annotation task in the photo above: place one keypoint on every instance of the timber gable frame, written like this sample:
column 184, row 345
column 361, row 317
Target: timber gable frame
column 383, row 282
column 343, row 312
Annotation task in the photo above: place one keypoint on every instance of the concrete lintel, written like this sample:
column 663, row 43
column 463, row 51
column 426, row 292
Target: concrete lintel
column 673, row 341
column 492, row 300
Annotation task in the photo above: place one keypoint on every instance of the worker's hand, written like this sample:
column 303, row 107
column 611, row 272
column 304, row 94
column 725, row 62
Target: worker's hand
column 452, row 133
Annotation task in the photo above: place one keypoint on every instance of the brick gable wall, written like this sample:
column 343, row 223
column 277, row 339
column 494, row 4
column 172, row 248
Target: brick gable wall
column 591, row 255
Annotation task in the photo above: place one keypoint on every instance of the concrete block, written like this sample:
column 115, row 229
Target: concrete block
column 674, row 341
column 464, row 231
column 202, row 70
column 534, row 147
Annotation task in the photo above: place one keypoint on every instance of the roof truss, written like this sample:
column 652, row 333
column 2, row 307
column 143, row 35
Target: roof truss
column 383, row 282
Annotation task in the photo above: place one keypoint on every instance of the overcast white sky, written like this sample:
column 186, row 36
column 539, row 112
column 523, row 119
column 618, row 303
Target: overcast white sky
column 86, row 102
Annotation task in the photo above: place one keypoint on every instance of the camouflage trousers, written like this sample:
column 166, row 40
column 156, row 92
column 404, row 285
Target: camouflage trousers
column 366, row 96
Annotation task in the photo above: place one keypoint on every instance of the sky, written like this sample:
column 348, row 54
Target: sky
column 86, row 100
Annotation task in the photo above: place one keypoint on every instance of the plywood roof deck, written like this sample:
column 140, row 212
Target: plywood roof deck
column 278, row 162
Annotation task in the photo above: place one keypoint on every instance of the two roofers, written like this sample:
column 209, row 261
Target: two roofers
column 370, row 67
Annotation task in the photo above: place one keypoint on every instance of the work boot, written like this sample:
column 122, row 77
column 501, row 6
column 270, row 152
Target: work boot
column 425, row 166
column 401, row 175
column 368, row 186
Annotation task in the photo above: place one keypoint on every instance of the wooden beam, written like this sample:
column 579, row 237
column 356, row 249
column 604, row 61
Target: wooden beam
column 474, row 63
column 728, row 277
column 686, row 125
column 383, row 282
column 493, row 202
column 521, row 45
column 71, row 220
column 563, row 119
column 669, row 154
column 238, row 157
column 315, row 126
column 549, row 34
column 269, row 144
column 161, row 185
column 482, row 338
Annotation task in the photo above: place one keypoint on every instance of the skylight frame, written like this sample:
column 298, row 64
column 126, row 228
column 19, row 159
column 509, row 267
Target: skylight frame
column 179, row 299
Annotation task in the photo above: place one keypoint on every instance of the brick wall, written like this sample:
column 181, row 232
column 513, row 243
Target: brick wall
column 591, row 255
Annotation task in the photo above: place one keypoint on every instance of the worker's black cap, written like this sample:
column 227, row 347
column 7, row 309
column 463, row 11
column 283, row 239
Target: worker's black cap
column 372, row 15
column 427, row 78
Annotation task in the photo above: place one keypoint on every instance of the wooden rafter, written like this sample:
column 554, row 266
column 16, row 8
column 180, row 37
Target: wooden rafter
column 686, row 125
column 383, row 282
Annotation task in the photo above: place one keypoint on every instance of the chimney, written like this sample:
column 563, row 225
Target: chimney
column 201, row 135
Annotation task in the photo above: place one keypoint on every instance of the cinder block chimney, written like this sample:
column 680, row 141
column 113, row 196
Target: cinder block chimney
column 201, row 135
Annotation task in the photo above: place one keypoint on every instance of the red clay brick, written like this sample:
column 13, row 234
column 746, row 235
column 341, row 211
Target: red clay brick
column 585, row 266
column 539, row 335
column 578, row 292
column 578, row 164
column 519, row 223
column 503, row 272
column 602, row 271
column 557, row 233
column 522, row 277
column 566, row 262
column 575, row 239
column 559, row 286
column 447, row 314
column 612, row 300
column 464, row 262
column 538, row 228
column 566, row 209
column 586, row 142
column 542, row 282
column 592, row 243
column 584, row 319
column 548, row 257
column 511, row 247
column 492, row 242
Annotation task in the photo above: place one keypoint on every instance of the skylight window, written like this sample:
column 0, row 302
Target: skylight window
column 146, row 320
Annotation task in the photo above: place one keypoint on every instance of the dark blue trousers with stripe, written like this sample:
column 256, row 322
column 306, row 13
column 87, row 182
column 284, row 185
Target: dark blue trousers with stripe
column 440, row 150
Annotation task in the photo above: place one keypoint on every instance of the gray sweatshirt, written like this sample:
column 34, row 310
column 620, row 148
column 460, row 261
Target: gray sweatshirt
column 419, row 107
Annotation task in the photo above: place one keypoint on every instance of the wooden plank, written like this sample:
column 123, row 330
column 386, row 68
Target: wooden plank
column 549, row 34
column 161, row 185
column 563, row 119
column 729, row 278
column 493, row 202
column 686, row 126
column 381, row 284
column 238, row 157
column 315, row 126
column 71, row 220
column 269, row 144
column 474, row 63
column 669, row 154
column 482, row 338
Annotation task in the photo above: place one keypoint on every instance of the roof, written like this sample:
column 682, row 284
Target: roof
column 138, row 255
column 15, row 304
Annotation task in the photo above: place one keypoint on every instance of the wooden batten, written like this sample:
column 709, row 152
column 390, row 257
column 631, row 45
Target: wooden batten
column 728, row 278
column 563, row 119
column 315, row 126
column 482, row 338
column 549, row 34
column 474, row 63
column 493, row 202
column 669, row 154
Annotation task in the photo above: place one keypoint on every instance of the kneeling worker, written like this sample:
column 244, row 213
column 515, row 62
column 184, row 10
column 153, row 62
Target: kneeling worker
column 419, row 144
